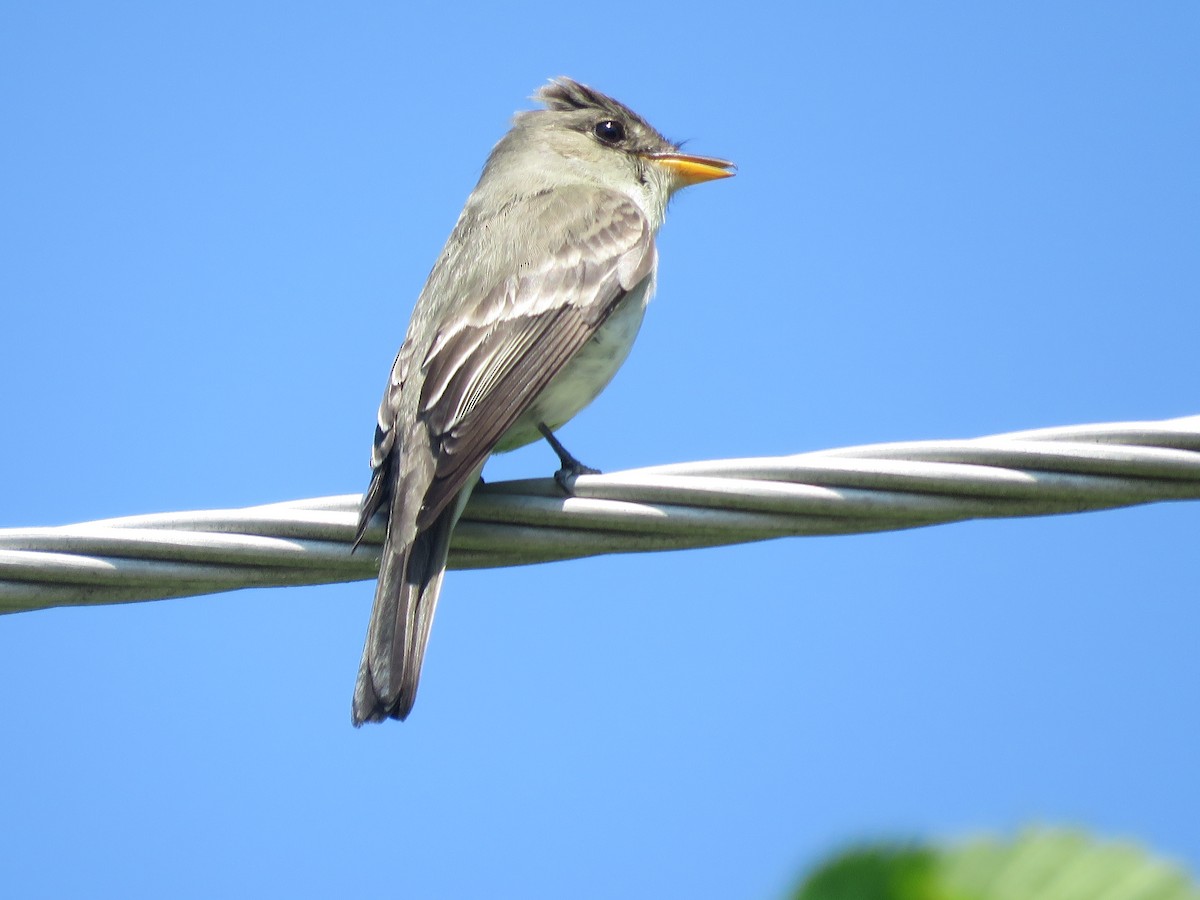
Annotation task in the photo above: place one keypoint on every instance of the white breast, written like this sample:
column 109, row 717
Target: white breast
column 587, row 374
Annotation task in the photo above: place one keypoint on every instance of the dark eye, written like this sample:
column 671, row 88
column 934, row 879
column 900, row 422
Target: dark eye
column 610, row 131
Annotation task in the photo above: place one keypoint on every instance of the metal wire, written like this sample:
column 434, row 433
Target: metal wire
column 878, row 487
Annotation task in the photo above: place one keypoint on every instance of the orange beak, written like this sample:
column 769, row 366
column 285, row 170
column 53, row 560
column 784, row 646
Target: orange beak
column 688, row 170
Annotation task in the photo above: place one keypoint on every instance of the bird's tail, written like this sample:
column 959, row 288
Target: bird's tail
column 410, row 579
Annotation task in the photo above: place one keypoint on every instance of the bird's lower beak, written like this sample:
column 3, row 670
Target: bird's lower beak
column 687, row 169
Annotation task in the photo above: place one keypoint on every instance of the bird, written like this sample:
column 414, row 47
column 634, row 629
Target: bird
column 530, row 309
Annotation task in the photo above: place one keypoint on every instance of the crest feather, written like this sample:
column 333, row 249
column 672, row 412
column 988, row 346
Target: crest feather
column 566, row 94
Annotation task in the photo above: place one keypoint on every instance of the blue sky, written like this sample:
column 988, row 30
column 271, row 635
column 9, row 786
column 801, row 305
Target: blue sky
column 948, row 221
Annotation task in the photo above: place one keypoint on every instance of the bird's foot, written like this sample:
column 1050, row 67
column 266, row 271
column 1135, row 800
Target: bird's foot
column 571, row 467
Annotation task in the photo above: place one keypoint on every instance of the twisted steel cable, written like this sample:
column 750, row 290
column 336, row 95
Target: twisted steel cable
column 877, row 487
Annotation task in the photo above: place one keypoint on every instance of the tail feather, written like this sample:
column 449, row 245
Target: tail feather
column 410, row 579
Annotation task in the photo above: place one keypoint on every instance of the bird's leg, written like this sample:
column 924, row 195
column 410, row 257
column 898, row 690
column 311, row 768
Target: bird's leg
column 571, row 467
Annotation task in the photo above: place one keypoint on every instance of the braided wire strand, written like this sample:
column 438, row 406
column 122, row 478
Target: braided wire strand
column 876, row 487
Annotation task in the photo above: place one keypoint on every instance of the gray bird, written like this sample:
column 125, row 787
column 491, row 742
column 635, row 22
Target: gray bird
column 527, row 315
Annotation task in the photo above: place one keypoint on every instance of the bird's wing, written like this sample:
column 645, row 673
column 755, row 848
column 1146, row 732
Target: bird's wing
column 487, row 365
column 485, row 369
column 574, row 254
column 384, row 451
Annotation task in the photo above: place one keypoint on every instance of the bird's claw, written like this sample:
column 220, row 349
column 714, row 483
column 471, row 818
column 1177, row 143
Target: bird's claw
column 571, row 467
column 565, row 477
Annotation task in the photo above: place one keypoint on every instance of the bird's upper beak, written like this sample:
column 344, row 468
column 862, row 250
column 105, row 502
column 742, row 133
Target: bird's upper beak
column 686, row 169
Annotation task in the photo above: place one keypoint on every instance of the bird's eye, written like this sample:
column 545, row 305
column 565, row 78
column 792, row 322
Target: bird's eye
column 610, row 131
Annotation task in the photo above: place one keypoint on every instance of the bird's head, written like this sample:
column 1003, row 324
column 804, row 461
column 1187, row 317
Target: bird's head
column 584, row 136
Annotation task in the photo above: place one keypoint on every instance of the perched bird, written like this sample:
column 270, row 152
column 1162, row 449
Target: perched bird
column 528, row 313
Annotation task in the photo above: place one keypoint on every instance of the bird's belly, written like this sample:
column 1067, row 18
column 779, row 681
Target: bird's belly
column 585, row 376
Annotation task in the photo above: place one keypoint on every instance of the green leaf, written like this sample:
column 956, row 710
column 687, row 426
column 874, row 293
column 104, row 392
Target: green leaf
column 1040, row 864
